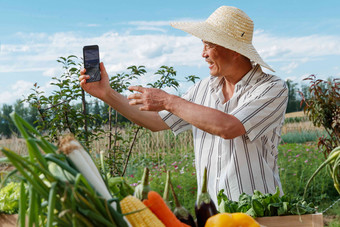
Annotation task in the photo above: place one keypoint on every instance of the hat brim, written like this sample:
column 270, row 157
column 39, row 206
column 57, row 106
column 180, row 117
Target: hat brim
column 207, row 32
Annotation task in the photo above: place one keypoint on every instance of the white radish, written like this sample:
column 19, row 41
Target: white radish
column 83, row 162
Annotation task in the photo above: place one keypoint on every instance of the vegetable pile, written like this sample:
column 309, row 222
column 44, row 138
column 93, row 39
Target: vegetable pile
column 62, row 186
column 261, row 205
column 64, row 189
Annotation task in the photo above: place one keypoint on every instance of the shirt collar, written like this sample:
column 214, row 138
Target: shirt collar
column 216, row 82
column 245, row 81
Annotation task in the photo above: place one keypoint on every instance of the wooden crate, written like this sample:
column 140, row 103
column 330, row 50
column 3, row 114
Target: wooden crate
column 308, row 220
column 8, row 220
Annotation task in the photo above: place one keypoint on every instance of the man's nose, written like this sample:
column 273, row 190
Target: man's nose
column 204, row 53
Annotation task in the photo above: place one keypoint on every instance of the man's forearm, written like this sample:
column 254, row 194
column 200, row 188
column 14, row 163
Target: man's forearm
column 205, row 118
column 148, row 119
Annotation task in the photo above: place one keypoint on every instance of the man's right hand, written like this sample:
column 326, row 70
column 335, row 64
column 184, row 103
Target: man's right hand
column 98, row 89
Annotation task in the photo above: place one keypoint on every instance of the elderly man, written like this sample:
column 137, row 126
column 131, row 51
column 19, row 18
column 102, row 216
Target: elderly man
column 235, row 115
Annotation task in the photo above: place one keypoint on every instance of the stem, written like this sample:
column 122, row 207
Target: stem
column 167, row 185
column 129, row 154
column 84, row 114
column 110, row 141
column 174, row 195
column 68, row 122
column 204, row 185
column 145, row 178
column 115, row 139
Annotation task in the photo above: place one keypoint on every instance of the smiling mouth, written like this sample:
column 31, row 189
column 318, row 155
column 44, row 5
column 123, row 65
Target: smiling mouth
column 210, row 64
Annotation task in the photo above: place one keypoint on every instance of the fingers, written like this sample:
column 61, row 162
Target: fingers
column 135, row 99
column 103, row 70
column 82, row 82
column 82, row 72
column 135, row 102
column 137, row 88
column 135, row 96
column 84, row 77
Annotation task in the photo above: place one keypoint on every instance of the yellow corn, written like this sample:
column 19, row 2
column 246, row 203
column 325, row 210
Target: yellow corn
column 143, row 217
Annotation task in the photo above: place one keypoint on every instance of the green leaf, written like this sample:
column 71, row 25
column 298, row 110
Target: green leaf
column 257, row 207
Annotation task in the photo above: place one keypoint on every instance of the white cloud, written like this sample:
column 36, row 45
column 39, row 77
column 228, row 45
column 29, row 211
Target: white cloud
column 51, row 72
column 290, row 67
column 6, row 97
column 275, row 48
column 39, row 51
column 17, row 91
column 21, row 86
column 119, row 50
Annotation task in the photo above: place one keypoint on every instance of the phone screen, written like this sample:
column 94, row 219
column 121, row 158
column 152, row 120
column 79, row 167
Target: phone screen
column 91, row 62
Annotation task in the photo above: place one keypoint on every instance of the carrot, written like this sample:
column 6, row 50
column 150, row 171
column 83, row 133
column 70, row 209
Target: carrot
column 158, row 206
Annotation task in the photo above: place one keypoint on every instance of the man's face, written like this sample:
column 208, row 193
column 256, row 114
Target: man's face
column 218, row 58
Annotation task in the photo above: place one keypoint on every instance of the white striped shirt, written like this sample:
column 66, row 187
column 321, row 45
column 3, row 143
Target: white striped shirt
column 247, row 162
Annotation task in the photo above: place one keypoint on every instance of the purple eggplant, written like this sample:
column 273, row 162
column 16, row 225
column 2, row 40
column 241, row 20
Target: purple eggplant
column 180, row 212
column 204, row 207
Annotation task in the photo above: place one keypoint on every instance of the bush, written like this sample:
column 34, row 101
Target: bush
column 302, row 137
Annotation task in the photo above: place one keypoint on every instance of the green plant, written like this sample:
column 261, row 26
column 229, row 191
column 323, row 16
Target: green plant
column 59, row 111
column 296, row 163
column 295, row 120
column 333, row 166
column 302, row 137
column 261, row 205
column 323, row 108
column 63, row 197
column 9, row 198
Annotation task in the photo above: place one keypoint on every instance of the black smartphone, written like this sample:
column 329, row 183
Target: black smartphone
column 91, row 62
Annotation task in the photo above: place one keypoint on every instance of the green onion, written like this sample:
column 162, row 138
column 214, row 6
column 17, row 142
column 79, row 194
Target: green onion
column 22, row 205
column 51, row 204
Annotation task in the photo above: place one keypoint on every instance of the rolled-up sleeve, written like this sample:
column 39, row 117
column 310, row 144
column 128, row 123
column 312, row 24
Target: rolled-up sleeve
column 176, row 124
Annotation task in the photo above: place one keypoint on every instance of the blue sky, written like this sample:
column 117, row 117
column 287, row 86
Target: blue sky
column 297, row 38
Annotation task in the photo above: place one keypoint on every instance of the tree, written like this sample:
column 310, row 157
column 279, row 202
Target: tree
column 6, row 124
column 293, row 103
column 323, row 109
column 60, row 112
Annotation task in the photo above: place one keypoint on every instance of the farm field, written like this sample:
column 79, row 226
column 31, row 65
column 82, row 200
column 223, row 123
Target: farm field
column 162, row 151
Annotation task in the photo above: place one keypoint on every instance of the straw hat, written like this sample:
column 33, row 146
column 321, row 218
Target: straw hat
column 229, row 27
